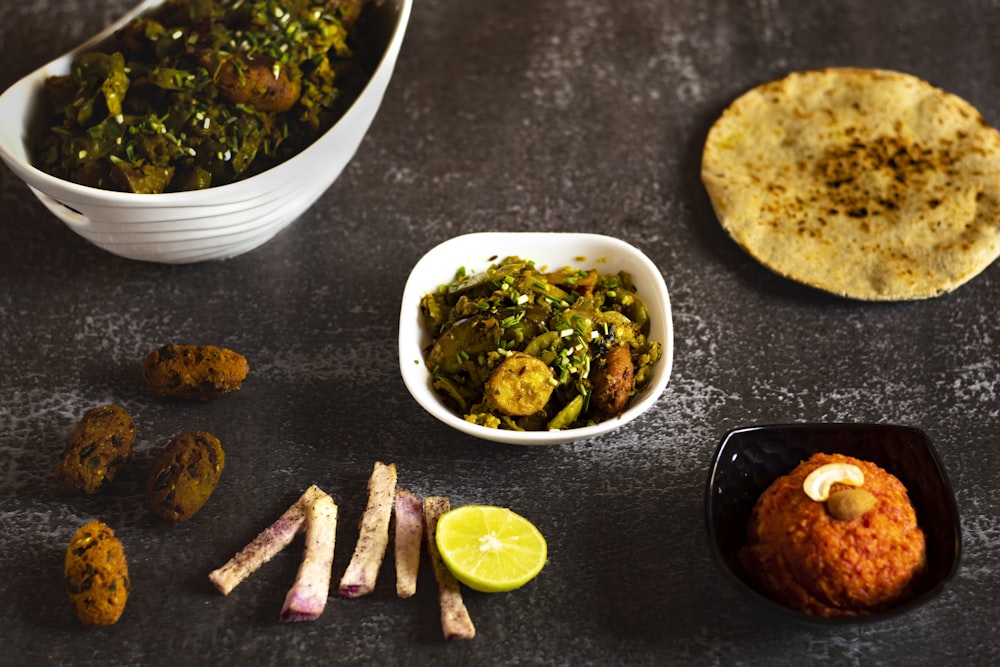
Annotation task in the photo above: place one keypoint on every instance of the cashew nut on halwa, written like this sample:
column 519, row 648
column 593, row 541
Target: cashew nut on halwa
column 818, row 483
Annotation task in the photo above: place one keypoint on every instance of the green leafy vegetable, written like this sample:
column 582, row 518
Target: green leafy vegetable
column 202, row 92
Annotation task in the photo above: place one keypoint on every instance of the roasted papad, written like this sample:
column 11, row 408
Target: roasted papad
column 869, row 184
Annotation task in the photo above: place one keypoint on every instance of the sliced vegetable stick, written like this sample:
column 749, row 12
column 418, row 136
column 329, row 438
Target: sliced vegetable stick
column 307, row 596
column 408, row 538
column 269, row 542
column 362, row 571
column 455, row 621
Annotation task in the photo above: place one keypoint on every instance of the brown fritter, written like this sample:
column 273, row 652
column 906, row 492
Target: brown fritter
column 200, row 372
column 184, row 475
column 96, row 574
column 97, row 450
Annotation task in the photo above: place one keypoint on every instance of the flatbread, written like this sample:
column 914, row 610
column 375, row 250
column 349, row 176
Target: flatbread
column 869, row 184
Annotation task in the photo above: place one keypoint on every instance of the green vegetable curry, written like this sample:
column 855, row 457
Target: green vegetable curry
column 199, row 93
column 518, row 348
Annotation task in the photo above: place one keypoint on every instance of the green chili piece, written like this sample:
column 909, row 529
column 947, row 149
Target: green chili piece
column 539, row 344
column 569, row 414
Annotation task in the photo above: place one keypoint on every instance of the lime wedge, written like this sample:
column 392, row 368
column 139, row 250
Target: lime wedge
column 490, row 549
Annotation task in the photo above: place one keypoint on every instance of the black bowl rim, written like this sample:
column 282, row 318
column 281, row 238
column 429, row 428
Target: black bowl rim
column 808, row 619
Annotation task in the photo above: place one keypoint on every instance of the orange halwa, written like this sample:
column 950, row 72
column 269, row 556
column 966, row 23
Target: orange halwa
column 801, row 556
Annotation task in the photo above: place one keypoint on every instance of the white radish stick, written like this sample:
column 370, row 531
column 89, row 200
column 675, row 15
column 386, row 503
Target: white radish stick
column 455, row 621
column 408, row 538
column 263, row 548
column 307, row 596
column 362, row 572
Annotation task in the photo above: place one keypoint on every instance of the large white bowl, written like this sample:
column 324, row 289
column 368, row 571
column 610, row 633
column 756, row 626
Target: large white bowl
column 214, row 223
column 476, row 252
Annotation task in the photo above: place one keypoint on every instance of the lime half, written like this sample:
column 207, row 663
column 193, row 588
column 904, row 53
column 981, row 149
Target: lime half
column 490, row 549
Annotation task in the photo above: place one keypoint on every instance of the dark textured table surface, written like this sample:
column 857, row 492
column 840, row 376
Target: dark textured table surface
column 554, row 116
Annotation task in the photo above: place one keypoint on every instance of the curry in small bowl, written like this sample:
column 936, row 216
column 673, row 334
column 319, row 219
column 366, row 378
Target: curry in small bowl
column 535, row 338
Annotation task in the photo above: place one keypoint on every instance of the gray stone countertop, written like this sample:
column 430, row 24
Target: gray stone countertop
column 550, row 116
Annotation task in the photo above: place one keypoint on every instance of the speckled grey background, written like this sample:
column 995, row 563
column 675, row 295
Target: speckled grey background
column 542, row 115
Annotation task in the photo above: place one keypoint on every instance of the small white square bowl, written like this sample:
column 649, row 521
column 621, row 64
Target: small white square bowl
column 550, row 251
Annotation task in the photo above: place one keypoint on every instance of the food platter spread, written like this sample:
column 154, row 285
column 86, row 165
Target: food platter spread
column 310, row 414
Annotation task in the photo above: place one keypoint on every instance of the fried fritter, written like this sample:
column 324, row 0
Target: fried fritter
column 96, row 574
column 97, row 450
column 199, row 372
column 184, row 475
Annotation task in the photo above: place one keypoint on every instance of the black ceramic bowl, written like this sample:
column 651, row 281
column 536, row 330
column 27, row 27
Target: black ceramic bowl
column 749, row 459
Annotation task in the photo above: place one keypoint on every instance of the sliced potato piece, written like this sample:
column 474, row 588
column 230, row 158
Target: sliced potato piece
column 259, row 82
column 521, row 385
